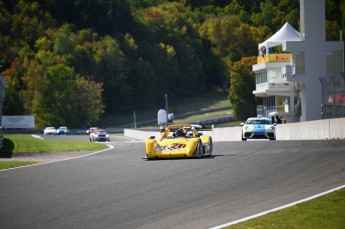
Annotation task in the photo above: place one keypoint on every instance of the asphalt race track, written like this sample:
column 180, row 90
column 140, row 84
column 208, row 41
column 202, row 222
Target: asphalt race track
column 119, row 189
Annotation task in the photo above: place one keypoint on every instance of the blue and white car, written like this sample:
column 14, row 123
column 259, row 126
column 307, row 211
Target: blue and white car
column 62, row 130
column 258, row 128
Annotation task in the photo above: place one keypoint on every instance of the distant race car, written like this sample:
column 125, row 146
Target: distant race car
column 91, row 130
column 62, row 130
column 49, row 130
column 258, row 128
column 99, row 135
column 179, row 141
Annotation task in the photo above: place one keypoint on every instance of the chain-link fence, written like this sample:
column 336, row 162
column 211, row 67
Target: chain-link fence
column 333, row 96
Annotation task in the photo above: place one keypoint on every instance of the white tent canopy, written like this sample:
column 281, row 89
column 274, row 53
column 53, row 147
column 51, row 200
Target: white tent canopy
column 286, row 33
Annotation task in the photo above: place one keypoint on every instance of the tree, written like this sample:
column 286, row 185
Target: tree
column 174, row 50
column 230, row 39
column 133, row 52
column 54, row 92
column 104, row 16
column 56, row 95
column 110, row 69
column 29, row 22
column 88, row 104
column 12, row 102
column 242, row 87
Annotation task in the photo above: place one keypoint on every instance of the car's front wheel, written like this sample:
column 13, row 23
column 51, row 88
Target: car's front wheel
column 208, row 148
column 211, row 147
column 200, row 149
column 243, row 138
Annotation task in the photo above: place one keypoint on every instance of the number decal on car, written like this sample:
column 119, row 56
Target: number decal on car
column 177, row 146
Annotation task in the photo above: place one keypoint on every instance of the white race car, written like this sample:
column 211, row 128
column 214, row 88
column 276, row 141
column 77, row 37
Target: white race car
column 258, row 128
column 99, row 135
column 49, row 130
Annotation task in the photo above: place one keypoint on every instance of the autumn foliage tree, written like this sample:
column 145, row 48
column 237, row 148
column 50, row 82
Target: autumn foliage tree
column 241, row 96
column 69, row 61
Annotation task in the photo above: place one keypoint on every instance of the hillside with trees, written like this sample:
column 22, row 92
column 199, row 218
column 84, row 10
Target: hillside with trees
column 69, row 61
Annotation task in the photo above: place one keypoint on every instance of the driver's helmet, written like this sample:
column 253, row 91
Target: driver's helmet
column 180, row 132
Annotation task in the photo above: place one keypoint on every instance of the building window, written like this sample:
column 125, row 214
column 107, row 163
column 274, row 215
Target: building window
column 261, row 77
column 335, row 62
column 338, row 61
column 330, row 63
column 269, row 101
column 299, row 63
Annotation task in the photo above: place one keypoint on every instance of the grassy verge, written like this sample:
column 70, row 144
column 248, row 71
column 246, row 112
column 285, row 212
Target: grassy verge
column 200, row 116
column 324, row 212
column 201, row 102
column 22, row 143
column 13, row 164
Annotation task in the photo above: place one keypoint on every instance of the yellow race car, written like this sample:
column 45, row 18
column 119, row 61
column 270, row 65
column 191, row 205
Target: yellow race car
column 179, row 141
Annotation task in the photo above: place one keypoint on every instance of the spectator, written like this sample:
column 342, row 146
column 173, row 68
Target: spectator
column 273, row 120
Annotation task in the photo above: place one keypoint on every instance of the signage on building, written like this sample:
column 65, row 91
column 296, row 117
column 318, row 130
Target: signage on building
column 339, row 99
column 274, row 58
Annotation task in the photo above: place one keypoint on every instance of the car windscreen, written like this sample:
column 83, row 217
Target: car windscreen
column 259, row 121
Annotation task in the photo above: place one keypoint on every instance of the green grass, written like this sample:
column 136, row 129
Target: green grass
column 200, row 116
column 22, row 143
column 13, row 164
column 199, row 103
column 325, row 212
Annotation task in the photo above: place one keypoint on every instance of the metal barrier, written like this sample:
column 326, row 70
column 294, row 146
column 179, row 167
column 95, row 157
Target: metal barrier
column 332, row 111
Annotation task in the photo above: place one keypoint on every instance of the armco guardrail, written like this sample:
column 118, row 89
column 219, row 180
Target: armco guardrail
column 311, row 130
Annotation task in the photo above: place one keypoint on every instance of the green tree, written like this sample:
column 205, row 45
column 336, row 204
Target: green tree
column 104, row 16
column 56, row 95
column 29, row 22
column 54, row 92
column 142, row 73
column 88, row 104
column 64, row 40
column 335, row 19
column 242, row 87
column 136, row 50
column 109, row 69
column 231, row 40
column 176, row 44
column 12, row 102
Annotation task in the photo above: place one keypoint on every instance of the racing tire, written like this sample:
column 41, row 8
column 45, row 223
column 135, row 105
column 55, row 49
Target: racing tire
column 243, row 138
column 210, row 148
column 199, row 149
